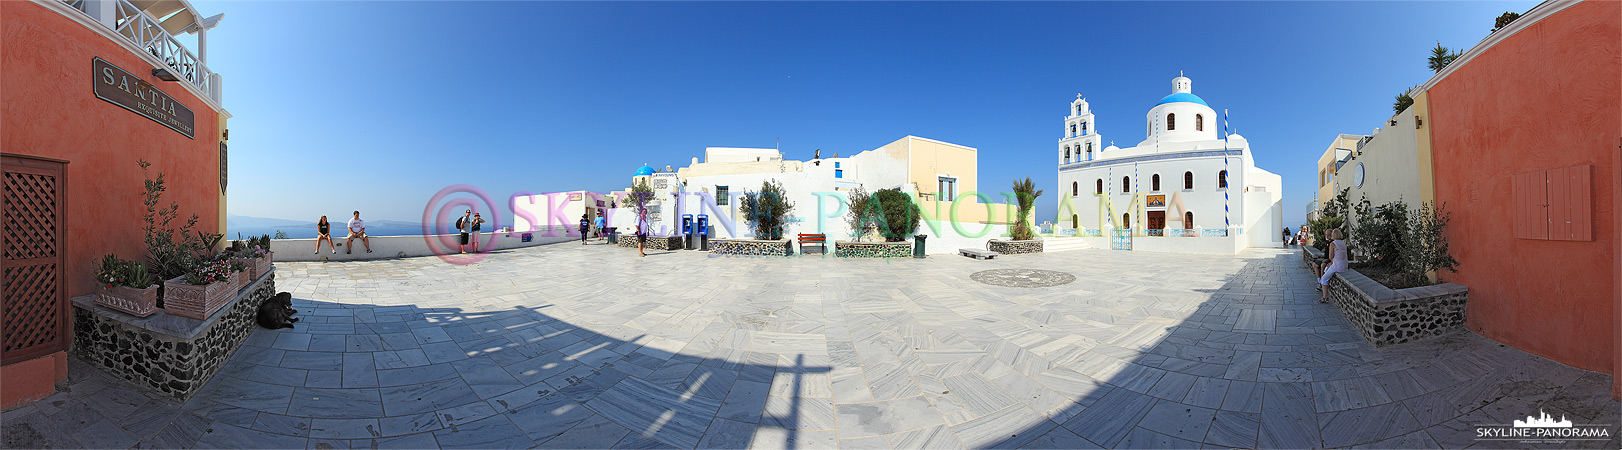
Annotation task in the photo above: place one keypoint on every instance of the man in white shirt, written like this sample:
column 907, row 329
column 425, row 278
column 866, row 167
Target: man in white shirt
column 357, row 230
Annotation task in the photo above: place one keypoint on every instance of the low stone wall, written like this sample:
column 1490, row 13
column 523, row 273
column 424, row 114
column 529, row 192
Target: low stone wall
column 1015, row 247
column 655, row 242
column 848, row 249
column 1385, row 316
column 1312, row 257
column 170, row 354
column 751, row 247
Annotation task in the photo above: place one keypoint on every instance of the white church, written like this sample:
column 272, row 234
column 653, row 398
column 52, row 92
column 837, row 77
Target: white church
column 1184, row 188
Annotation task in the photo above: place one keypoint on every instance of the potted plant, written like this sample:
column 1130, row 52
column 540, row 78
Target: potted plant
column 1022, row 239
column 200, row 292
column 254, row 255
column 126, row 287
column 239, row 274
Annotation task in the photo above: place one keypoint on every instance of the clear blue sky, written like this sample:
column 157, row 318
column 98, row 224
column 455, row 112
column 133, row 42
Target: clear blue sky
column 376, row 106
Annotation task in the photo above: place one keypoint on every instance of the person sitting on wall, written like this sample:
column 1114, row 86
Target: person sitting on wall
column 357, row 230
column 324, row 233
column 1337, row 261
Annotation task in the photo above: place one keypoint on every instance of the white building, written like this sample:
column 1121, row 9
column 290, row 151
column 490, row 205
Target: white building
column 1184, row 188
column 943, row 176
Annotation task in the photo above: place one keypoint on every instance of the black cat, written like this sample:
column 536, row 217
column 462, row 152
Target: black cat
column 277, row 312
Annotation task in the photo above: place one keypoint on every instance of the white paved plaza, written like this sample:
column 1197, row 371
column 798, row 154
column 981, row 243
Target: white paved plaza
column 570, row 346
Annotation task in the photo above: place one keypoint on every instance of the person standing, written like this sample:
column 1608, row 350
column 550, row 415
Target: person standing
column 1301, row 237
column 473, row 236
column 641, row 233
column 600, row 224
column 1337, row 261
column 585, row 226
column 1286, row 237
column 357, row 230
column 462, row 229
column 324, row 233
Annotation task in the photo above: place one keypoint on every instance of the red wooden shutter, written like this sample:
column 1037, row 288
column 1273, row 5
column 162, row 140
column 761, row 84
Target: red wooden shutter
column 1571, row 211
column 1531, row 191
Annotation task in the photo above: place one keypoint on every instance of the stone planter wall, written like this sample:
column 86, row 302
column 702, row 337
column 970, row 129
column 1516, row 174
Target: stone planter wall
column 1014, row 247
column 1312, row 257
column 848, row 249
column 751, row 247
column 1385, row 316
column 166, row 353
column 655, row 242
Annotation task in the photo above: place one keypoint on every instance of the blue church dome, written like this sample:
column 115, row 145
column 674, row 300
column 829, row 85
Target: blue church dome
column 1182, row 97
column 647, row 170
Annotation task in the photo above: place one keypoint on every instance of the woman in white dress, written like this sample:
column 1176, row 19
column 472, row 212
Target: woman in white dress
column 1337, row 261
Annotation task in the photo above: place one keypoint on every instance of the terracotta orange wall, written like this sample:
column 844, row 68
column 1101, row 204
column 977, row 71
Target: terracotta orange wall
column 1546, row 97
column 50, row 110
column 31, row 380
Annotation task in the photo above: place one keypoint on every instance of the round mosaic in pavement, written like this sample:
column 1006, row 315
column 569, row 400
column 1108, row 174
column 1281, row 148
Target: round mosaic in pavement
column 1022, row 277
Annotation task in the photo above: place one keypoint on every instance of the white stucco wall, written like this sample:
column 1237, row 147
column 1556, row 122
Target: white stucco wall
column 403, row 246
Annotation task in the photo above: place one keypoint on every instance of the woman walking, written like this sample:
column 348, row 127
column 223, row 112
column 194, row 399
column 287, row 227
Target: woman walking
column 1337, row 261
column 324, row 233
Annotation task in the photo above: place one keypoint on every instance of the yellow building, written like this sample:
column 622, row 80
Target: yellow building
column 1339, row 150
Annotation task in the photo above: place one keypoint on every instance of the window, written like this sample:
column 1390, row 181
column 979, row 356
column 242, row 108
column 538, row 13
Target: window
column 948, row 188
column 839, row 173
column 1100, row 189
column 1222, row 180
column 1188, row 220
column 1171, row 122
column 721, row 196
column 1554, row 204
column 1154, row 183
column 1188, row 180
column 1126, row 184
column 1199, row 122
column 1075, row 188
column 1126, row 220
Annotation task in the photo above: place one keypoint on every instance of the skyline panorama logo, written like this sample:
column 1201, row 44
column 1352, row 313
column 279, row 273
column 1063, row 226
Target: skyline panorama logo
column 1543, row 428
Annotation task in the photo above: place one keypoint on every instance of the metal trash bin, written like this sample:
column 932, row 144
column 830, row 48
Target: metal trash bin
column 613, row 235
column 918, row 245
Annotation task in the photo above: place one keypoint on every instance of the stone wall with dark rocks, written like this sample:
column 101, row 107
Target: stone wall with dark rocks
column 749, row 247
column 1014, row 247
column 170, row 354
column 1385, row 316
column 655, row 242
column 845, row 249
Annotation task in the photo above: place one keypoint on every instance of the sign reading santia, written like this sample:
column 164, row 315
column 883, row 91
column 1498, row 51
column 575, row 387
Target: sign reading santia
column 125, row 89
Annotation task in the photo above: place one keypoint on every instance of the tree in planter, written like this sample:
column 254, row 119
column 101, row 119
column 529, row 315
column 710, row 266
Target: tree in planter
column 1381, row 232
column 641, row 195
column 897, row 216
column 1427, row 250
column 767, row 210
column 860, row 216
column 1407, row 243
column 169, row 258
column 1025, row 194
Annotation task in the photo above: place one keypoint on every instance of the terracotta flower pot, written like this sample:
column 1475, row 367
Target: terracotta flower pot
column 135, row 302
column 193, row 301
column 239, row 280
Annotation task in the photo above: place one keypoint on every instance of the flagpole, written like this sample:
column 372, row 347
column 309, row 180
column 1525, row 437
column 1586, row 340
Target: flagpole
column 1227, row 223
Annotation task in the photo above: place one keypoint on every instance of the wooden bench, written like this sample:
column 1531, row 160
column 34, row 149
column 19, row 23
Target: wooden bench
column 819, row 240
column 977, row 253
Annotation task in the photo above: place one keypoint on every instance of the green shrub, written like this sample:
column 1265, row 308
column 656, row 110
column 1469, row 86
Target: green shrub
column 898, row 214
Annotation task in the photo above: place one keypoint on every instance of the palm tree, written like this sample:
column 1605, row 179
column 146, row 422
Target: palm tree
column 1403, row 101
column 1025, row 193
column 1440, row 58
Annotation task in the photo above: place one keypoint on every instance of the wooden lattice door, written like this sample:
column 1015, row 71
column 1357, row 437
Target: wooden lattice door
column 35, row 310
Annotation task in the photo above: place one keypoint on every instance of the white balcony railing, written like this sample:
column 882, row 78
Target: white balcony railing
column 145, row 31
